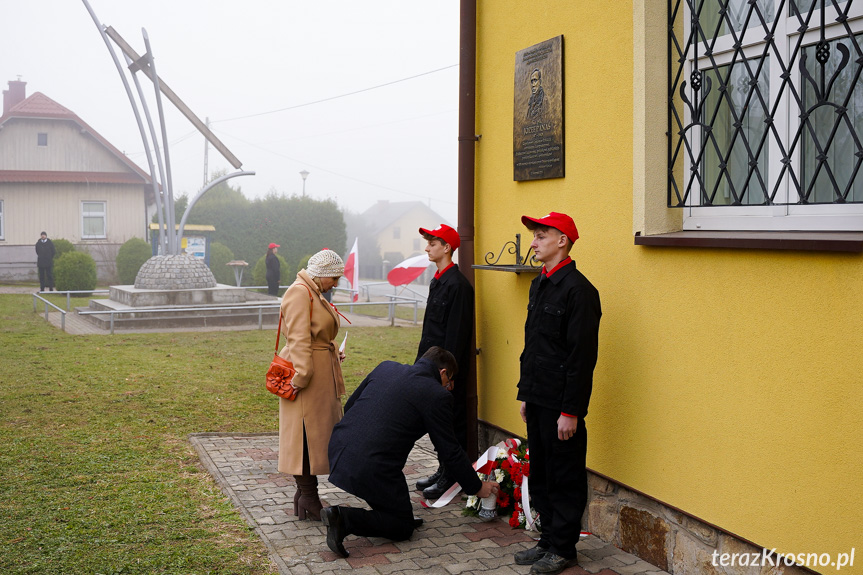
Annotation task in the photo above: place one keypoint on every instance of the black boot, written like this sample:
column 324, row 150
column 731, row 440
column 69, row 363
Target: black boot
column 429, row 481
column 336, row 530
column 308, row 505
column 439, row 488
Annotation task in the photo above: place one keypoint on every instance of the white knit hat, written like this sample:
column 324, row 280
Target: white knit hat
column 325, row 264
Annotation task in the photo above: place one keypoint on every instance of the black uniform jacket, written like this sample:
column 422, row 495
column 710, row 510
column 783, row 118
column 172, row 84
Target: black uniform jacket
column 393, row 407
column 448, row 320
column 44, row 253
column 273, row 267
column 560, row 342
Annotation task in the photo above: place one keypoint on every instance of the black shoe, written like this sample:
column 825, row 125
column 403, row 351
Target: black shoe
column 439, row 488
column 417, row 521
column 551, row 564
column 336, row 531
column 423, row 484
column 530, row 556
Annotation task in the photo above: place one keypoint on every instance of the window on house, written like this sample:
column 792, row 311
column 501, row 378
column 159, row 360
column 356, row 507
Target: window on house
column 93, row 220
column 397, row 233
column 2, row 223
column 766, row 114
column 41, row 139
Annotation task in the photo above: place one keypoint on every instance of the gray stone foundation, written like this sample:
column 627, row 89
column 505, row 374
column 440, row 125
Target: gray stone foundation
column 661, row 535
column 174, row 272
column 220, row 294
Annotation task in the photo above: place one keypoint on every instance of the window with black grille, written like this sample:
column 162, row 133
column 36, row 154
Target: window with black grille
column 766, row 113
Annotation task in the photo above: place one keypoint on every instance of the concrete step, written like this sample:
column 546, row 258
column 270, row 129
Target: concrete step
column 190, row 319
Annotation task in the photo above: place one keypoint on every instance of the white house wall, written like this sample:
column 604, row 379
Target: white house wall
column 69, row 149
column 29, row 209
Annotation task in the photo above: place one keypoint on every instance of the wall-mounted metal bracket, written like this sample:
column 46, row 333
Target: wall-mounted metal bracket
column 528, row 263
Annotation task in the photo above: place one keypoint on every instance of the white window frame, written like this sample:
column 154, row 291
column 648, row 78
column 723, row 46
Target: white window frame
column 103, row 214
column 825, row 217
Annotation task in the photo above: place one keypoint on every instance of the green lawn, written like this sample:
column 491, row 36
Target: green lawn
column 96, row 472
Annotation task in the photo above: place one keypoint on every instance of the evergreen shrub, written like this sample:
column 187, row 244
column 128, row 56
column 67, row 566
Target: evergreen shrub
column 75, row 271
column 131, row 256
column 259, row 272
column 61, row 247
column 220, row 255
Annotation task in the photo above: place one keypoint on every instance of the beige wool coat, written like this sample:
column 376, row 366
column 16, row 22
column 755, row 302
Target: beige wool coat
column 312, row 348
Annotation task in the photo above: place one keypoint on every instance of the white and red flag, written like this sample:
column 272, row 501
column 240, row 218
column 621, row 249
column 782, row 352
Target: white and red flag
column 352, row 272
column 408, row 270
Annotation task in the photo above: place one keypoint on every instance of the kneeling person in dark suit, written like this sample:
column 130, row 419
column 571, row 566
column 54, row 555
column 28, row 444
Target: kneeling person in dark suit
column 394, row 406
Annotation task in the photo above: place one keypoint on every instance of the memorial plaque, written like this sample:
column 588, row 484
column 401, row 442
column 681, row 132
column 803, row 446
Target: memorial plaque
column 537, row 119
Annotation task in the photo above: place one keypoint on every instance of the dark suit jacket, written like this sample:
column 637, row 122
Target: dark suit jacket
column 392, row 408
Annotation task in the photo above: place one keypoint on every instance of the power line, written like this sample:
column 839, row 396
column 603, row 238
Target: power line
column 335, row 97
column 436, row 199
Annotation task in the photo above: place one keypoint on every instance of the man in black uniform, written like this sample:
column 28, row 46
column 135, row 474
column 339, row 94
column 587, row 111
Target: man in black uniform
column 560, row 347
column 448, row 323
column 393, row 407
column 45, row 262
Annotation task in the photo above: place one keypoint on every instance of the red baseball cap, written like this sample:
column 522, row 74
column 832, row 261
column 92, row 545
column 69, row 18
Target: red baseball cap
column 556, row 220
column 271, row 246
column 445, row 233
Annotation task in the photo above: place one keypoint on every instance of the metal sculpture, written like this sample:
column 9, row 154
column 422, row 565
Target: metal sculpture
column 169, row 238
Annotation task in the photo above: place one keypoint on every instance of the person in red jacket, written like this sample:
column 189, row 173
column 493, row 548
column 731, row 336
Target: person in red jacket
column 561, row 337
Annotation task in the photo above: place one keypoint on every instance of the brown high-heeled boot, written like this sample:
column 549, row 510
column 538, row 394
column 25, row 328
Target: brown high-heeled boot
column 308, row 505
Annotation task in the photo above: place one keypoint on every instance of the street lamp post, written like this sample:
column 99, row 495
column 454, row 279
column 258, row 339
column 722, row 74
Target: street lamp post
column 304, row 175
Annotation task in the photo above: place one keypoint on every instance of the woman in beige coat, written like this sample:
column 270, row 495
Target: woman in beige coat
column 310, row 325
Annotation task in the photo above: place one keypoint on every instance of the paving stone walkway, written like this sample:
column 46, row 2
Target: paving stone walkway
column 244, row 465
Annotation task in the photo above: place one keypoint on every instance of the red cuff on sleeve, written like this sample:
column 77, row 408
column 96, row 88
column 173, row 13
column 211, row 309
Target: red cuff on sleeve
column 567, row 415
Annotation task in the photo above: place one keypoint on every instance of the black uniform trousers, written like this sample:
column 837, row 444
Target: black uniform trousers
column 558, row 479
column 46, row 277
column 391, row 517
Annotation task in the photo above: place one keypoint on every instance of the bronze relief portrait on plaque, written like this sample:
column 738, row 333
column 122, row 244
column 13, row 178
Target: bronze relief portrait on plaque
column 537, row 143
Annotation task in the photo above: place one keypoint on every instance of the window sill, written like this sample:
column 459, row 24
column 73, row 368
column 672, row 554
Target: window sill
column 798, row 241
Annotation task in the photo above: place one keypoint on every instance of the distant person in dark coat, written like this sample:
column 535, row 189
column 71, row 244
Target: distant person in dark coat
column 394, row 406
column 448, row 323
column 45, row 262
column 274, row 272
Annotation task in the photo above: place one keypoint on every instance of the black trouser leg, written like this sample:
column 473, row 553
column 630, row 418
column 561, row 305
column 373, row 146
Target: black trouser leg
column 558, row 479
column 397, row 526
column 459, row 393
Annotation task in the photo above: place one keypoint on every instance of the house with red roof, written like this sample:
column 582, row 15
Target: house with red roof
column 58, row 175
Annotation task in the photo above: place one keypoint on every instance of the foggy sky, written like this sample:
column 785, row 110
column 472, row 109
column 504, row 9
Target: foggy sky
column 240, row 63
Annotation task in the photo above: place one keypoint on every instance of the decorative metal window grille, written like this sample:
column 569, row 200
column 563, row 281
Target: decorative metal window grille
column 765, row 102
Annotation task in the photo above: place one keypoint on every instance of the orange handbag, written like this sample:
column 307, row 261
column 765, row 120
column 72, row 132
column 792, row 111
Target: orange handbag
column 282, row 371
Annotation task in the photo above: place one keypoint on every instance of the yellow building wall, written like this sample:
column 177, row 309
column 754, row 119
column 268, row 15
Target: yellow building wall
column 729, row 382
